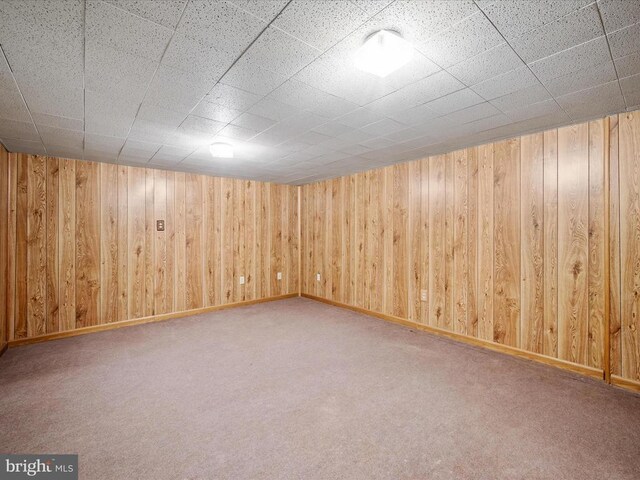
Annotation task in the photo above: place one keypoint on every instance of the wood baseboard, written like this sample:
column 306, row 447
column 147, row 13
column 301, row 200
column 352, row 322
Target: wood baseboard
column 565, row 365
column 625, row 383
column 139, row 321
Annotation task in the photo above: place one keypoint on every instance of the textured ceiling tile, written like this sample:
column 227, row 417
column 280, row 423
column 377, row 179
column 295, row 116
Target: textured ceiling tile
column 65, row 152
column 593, row 52
column 617, row 14
column 254, row 122
column 214, row 111
column 600, row 93
column 57, row 122
column 232, row 97
column 18, row 130
column 568, row 31
column 11, row 104
column 279, row 52
column 383, row 127
column 506, row 83
column 251, row 78
column 490, row 63
column 103, row 144
column 203, row 60
column 238, row 133
column 585, row 78
column 273, row 109
column 473, row 113
column 160, row 115
column 24, row 146
column 455, row 101
column 174, row 90
column 320, row 24
column 59, row 137
column 415, row 115
column 631, row 89
column 625, row 41
column 109, row 70
column 534, row 110
column 359, row 118
column 123, row 31
column 628, row 65
column 267, row 11
column 526, row 96
column 166, row 12
column 516, row 17
column 463, row 40
column 221, row 24
column 199, row 124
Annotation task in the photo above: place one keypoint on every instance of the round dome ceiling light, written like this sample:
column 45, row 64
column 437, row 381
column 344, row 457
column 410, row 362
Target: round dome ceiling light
column 383, row 52
column 221, row 150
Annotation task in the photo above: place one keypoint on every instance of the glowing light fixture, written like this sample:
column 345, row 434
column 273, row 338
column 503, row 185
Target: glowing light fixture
column 383, row 52
column 221, row 150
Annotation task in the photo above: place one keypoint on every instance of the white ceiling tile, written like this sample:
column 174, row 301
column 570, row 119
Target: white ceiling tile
column 372, row 7
column 471, row 36
column 534, row 110
column 160, row 115
column 264, row 10
column 273, row 109
column 251, row 78
column 415, row 115
column 139, row 149
column 631, row 89
column 238, row 133
column 174, row 90
column 359, row 118
column 470, row 114
column 313, row 138
column 204, row 61
column 628, row 65
column 573, row 29
column 279, row 52
column 124, row 31
column 232, row 97
column 152, row 132
column 60, row 137
column 102, row 144
column 220, row 23
column 455, row 101
column 526, row 96
column 625, row 41
column 404, row 135
column 65, row 152
column 617, row 14
column 203, row 125
column 214, row 111
column 58, row 122
column 585, row 78
column 11, row 104
column 490, row 63
column 254, row 122
column 376, row 143
column 599, row 93
column 169, row 155
column 320, row 24
column 24, row 146
column 506, row 83
column 166, row 12
column 18, row 130
column 383, row 127
column 593, row 52
column 517, row 17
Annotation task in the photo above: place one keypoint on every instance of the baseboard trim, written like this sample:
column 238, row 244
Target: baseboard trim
column 3, row 348
column 139, row 321
column 625, row 383
column 496, row 347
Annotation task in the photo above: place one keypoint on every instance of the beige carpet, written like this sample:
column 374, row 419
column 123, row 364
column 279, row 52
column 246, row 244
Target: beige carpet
column 297, row 389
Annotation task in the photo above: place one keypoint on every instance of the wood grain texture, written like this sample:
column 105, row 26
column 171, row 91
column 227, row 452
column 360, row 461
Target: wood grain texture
column 629, row 165
column 615, row 321
column 83, row 249
column 485, row 242
column 4, row 239
column 460, row 245
column 573, row 217
column 550, row 194
column 532, row 238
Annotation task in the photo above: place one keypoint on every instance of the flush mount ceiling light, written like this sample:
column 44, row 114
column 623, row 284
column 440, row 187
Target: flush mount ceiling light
column 383, row 52
column 221, row 150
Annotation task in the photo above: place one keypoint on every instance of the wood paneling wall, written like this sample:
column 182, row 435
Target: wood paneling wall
column 83, row 250
column 4, row 240
column 504, row 242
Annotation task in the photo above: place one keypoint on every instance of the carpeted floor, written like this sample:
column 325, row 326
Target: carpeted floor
column 298, row 389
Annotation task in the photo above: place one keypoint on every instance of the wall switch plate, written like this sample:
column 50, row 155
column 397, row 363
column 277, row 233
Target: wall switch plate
column 242, row 280
column 318, row 276
column 279, row 275
column 160, row 225
column 423, row 295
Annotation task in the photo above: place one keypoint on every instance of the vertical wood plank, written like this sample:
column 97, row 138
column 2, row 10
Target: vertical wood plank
column 532, row 238
column 615, row 322
column 136, row 242
column 53, row 246
column 22, row 214
column 472, row 242
column 87, row 244
column 108, row 242
column 424, row 239
column 12, row 166
column 387, row 239
column 573, row 211
column 460, row 258
column 506, row 301
column 4, row 234
column 400, row 245
column 122, row 307
column 413, row 241
column 249, row 240
column 159, row 242
column 596, row 292
column 485, row 241
column 629, row 165
column 149, row 250
column 67, row 244
column 227, row 240
column 336, row 240
column 437, row 241
column 550, row 342
column 449, row 221
column 193, row 240
column 180, row 241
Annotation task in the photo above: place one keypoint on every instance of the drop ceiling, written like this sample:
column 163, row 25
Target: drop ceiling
column 154, row 83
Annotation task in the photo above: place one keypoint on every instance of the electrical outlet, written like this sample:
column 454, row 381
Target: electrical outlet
column 318, row 276
column 242, row 280
column 279, row 275
column 423, row 295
